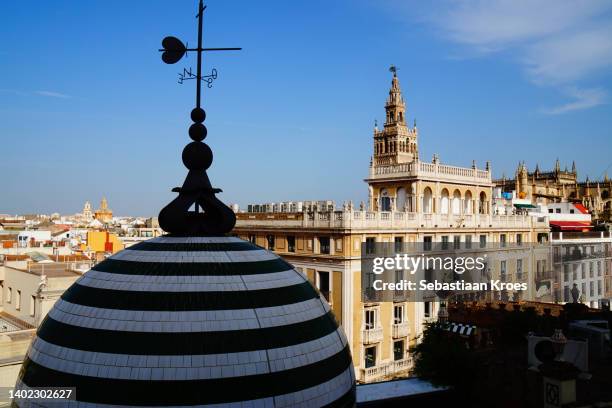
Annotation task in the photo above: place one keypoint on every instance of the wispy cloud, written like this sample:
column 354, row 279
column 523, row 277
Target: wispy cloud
column 557, row 43
column 52, row 94
column 583, row 99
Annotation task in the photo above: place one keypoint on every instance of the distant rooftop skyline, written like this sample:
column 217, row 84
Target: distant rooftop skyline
column 87, row 108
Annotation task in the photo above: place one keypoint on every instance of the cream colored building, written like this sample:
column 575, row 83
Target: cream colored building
column 103, row 214
column 29, row 289
column 409, row 201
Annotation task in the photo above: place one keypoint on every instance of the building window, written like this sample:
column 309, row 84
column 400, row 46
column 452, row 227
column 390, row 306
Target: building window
column 370, row 319
column 398, row 314
column 253, row 239
column 457, row 242
column 502, row 240
column 519, row 269
column 323, row 284
column 598, row 268
column 558, row 211
column 290, row 243
column 444, row 242
column 519, row 239
column 32, row 305
column 427, row 241
column 398, row 350
column 399, row 276
column 9, row 295
column 550, row 210
column 566, row 293
column 541, row 266
column 502, row 269
column 591, row 269
column 468, row 241
column 270, row 239
column 566, row 273
column 18, row 300
column 591, row 289
column 370, row 245
column 324, row 245
column 370, row 357
column 483, row 241
column 399, row 243
column 427, row 309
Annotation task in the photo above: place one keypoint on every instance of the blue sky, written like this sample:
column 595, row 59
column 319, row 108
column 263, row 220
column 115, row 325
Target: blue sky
column 88, row 109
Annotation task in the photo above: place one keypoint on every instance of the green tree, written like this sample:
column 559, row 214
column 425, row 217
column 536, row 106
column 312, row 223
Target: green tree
column 444, row 360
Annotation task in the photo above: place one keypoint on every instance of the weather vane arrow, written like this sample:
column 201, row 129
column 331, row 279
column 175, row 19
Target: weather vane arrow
column 210, row 216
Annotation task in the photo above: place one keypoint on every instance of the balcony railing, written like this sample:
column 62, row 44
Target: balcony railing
column 386, row 370
column 374, row 373
column 400, row 330
column 370, row 336
column 402, row 365
column 355, row 219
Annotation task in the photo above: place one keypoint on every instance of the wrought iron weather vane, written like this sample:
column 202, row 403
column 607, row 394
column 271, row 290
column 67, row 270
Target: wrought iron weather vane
column 210, row 215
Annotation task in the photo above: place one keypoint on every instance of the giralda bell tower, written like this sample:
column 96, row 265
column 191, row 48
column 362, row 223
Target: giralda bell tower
column 396, row 143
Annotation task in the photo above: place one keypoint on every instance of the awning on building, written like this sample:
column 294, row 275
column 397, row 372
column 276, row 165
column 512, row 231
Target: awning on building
column 462, row 329
column 570, row 225
column 517, row 205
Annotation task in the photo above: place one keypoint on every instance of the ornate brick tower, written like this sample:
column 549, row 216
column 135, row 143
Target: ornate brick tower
column 396, row 143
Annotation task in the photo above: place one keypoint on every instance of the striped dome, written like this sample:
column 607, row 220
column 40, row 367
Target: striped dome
column 184, row 321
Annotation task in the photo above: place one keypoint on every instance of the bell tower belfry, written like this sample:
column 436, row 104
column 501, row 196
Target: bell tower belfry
column 396, row 143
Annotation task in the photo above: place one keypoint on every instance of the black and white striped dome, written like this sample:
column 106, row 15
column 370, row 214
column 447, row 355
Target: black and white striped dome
column 192, row 321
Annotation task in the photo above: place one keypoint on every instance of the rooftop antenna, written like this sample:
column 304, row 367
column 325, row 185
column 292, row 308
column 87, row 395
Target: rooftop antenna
column 210, row 215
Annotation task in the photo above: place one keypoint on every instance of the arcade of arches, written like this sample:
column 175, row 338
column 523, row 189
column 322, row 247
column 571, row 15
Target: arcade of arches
column 431, row 198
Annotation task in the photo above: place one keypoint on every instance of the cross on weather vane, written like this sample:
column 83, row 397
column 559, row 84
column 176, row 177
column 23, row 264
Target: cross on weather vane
column 209, row 216
column 174, row 49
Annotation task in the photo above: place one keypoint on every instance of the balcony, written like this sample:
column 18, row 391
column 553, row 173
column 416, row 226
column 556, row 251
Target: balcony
column 369, row 336
column 386, row 370
column 375, row 373
column 404, row 364
column 441, row 172
column 430, row 319
column 400, row 330
column 352, row 219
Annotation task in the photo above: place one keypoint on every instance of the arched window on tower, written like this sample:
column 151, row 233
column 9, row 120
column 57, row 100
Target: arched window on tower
column 401, row 118
column 385, row 200
column 444, row 202
column 482, row 205
column 467, row 204
column 400, row 199
column 456, row 203
column 427, row 201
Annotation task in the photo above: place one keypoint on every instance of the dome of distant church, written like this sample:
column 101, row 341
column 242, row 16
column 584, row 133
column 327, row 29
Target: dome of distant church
column 180, row 321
